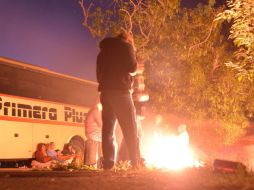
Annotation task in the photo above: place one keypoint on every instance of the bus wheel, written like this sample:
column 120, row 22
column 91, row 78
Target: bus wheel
column 79, row 147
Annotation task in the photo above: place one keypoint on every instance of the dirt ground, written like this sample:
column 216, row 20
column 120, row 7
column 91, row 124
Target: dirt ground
column 132, row 180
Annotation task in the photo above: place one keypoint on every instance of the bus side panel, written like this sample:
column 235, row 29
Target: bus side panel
column 59, row 134
column 35, row 121
column 65, row 133
column 15, row 140
column 43, row 133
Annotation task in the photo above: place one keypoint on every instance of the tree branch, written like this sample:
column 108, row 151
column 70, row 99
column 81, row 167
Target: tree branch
column 202, row 42
column 131, row 14
column 86, row 13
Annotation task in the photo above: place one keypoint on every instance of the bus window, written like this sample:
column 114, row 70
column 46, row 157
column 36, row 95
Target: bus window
column 32, row 84
column 7, row 79
column 74, row 92
column 38, row 85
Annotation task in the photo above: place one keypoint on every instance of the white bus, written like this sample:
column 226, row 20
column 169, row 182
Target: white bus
column 39, row 105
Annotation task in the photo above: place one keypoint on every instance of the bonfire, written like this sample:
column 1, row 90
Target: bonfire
column 171, row 152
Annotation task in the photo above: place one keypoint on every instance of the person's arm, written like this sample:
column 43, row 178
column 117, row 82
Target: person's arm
column 46, row 159
column 98, row 118
column 66, row 157
column 89, row 123
column 99, row 67
column 40, row 157
column 129, row 58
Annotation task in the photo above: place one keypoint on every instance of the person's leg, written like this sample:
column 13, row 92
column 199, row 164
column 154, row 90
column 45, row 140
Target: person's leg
column 99, row 161
column 123, row 153
column 125, row 111
column 91, row 150
column 108, row 128
column 99, row 150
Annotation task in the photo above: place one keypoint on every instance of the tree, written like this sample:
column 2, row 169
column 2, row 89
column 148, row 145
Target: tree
column 241, row 15
column 183, row 51
column 187, row 76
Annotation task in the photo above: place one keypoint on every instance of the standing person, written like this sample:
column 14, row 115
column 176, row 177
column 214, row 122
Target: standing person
column 123, row 152
column 115, row 63
column 93, row 126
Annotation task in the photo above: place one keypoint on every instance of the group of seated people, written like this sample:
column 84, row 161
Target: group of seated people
column 46, row 156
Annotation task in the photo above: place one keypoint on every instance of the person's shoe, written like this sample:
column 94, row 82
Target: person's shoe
column 107, row 165
column 113, row 169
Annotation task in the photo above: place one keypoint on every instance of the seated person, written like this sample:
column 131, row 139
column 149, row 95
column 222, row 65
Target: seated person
column 69, row 151
column 41, row 158
column 54, row 155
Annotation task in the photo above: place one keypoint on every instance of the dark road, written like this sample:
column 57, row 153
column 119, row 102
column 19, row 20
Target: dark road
column 192, row 179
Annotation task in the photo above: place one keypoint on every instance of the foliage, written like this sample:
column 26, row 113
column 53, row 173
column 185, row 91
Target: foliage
column 123, row 165
column 71, row 167
column 120, row 166
column 241, row 15
column 191, row 80
column 183, row 51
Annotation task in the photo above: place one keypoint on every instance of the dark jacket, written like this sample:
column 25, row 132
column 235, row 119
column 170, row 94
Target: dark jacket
column 115, row 62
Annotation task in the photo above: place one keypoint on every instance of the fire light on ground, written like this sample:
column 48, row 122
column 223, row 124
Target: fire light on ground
column 171, row 152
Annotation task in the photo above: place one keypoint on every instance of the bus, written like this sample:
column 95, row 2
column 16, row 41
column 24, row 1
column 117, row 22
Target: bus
column 38, row 105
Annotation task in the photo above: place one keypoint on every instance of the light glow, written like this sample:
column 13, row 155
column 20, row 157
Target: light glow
column 171, row 152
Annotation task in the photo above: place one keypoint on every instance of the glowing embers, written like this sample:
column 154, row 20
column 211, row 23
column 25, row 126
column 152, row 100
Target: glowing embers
column 171, row 152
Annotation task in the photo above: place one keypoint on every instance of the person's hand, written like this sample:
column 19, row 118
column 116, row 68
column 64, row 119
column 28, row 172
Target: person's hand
column 59, row 153
column 76, row 155
column 133, row 45
column 133, row 74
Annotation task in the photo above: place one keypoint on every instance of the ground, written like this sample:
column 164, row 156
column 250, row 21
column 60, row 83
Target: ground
column 191, row 179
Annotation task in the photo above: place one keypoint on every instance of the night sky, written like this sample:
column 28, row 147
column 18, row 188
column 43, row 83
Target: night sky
column 49, row 33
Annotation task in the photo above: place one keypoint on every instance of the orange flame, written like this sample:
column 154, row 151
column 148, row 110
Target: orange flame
column 171, row 152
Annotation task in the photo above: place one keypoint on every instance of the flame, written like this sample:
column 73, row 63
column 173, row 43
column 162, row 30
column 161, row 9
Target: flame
column 171, row 152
